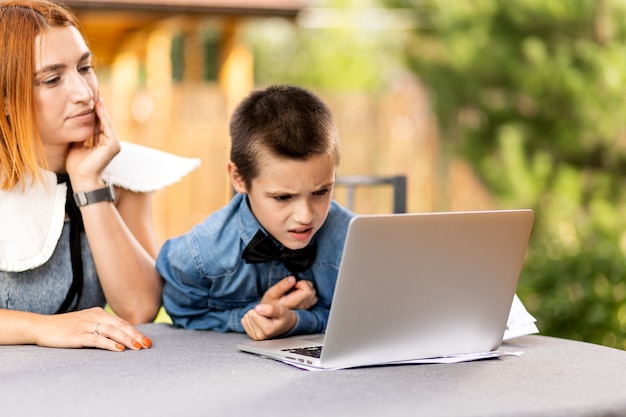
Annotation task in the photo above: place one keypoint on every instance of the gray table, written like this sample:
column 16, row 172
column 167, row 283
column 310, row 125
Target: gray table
column 191, row 373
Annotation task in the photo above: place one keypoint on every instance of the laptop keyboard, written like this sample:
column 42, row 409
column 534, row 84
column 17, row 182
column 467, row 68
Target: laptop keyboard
column 313, row 351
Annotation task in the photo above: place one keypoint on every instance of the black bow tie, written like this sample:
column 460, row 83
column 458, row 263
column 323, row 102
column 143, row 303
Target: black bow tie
column 263, row 249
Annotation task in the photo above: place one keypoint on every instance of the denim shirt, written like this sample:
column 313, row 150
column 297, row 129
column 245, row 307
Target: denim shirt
column 209, row 286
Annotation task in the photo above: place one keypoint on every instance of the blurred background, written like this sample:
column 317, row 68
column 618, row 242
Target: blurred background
column 481, row 104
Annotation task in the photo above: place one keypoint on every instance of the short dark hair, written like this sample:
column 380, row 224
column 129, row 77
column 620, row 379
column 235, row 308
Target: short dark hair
column 286, row 120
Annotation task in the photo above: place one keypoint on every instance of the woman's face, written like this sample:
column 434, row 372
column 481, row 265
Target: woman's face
column 65, row 87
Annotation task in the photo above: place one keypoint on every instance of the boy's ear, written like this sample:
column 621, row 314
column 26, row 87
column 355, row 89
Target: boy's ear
column 235, row 178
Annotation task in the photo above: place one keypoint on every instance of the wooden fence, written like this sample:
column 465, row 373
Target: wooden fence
column 389, row 133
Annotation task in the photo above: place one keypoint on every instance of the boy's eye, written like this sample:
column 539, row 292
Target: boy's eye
column 321, row 192
column 282, row 197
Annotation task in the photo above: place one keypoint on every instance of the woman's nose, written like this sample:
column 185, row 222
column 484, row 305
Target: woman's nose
column 82, row 89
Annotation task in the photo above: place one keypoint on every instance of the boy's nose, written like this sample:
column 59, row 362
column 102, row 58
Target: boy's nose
column 304, row 213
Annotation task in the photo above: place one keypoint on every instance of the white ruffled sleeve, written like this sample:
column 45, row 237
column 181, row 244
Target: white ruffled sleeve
column 141, row 169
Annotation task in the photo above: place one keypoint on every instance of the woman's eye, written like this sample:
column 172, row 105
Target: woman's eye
column 85, row 69
column 50, row 81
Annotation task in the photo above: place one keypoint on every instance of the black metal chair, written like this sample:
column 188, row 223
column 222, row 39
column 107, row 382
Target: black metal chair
column 398, row 182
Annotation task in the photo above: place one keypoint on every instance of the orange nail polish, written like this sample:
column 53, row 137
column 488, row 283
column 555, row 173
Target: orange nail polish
column 147, row 342
column 137, row 344
column 119, row 346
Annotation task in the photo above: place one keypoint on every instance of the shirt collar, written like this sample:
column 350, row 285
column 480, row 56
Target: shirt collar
column 248, row 224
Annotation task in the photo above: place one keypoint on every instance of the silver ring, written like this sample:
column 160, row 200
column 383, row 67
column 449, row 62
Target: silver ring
column 95, row 331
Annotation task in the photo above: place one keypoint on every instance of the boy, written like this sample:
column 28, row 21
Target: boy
column 267, row 262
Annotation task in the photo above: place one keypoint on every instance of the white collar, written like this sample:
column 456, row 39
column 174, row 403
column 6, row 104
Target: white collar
column 32, row 220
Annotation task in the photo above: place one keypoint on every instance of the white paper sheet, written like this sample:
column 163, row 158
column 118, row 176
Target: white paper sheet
column 444, row 359
column 520, row 322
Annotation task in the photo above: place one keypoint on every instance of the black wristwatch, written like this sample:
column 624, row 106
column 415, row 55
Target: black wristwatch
column 91, row 197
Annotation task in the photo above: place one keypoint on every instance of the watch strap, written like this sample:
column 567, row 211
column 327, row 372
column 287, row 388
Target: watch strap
column 83, row 198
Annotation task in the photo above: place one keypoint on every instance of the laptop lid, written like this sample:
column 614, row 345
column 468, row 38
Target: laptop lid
column 421, row 285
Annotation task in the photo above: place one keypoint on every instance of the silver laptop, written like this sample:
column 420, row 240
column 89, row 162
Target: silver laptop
column 415, row 286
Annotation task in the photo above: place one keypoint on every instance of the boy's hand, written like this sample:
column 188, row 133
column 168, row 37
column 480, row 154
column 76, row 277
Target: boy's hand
column 266, row 321
column 296, row 295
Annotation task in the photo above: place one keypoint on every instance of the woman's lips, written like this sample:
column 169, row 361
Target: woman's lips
column 86, row 115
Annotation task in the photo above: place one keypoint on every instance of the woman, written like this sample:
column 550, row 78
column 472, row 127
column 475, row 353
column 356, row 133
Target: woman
column 70, row 243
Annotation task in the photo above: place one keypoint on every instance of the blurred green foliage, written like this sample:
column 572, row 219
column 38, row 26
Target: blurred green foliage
column 326, row 50
column 532, row 93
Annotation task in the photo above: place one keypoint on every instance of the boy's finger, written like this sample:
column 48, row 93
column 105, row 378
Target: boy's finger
column 281, row 287
column 269, row 310
column 304, row 285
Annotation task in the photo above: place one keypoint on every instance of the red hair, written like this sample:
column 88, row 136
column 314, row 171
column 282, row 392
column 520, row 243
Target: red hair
column 21, row 21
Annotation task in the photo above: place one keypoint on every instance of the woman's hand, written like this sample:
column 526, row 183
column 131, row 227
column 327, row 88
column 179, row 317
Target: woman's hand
column 86, row 160
column 93, row 327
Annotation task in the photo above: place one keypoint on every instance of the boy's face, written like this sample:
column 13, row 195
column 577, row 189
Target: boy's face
column 290, row 198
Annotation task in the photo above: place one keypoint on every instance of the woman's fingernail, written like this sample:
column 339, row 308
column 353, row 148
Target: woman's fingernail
column 137, row 344
column 119, row 347
column 147, row 342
